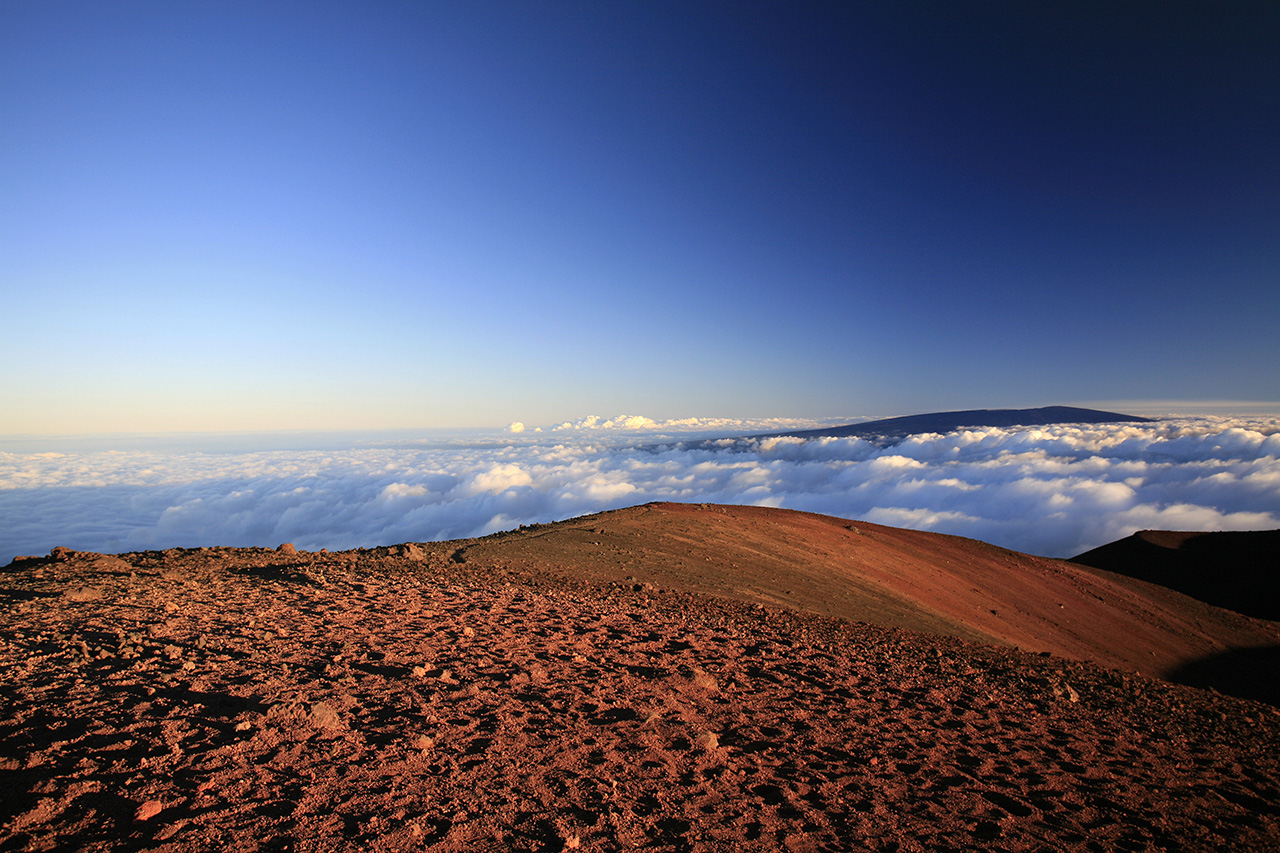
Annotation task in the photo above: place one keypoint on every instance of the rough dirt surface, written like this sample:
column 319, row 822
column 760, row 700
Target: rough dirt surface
column 419, row 697
column 927, row 582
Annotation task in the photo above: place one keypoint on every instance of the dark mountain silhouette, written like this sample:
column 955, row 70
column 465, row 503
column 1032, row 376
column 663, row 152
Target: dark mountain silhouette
column 943, row 422
column 1238, row 570
column 890, row 431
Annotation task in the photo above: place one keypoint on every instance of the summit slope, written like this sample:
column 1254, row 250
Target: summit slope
column 863, row 572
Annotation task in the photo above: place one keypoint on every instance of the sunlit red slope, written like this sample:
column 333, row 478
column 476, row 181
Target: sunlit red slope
column 866, row 572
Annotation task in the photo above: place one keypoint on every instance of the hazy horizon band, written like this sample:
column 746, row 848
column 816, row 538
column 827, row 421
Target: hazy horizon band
column 1053, row 490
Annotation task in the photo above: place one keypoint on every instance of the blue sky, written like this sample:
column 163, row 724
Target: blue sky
column 392, row 215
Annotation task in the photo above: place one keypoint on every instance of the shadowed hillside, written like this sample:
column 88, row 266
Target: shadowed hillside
column 1239, row 570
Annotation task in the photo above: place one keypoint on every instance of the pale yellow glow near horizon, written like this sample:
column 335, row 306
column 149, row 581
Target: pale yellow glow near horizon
column 140, row 414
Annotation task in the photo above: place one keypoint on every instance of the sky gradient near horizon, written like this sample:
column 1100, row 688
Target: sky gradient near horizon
column 236, row 215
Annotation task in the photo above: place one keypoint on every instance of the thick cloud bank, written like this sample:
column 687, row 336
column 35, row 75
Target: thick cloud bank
column 1053, row 491
column 639, row 423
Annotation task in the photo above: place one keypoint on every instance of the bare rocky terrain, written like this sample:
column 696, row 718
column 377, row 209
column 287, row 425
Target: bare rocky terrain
column 666, row 677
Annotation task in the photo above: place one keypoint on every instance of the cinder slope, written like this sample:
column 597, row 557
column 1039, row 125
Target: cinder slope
column 865, row 572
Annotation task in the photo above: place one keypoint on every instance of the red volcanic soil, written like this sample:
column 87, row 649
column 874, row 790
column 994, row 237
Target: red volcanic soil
column 611, row 683
column 858, row 571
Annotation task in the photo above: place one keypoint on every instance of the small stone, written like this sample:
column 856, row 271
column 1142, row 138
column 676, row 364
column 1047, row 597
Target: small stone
column 287, row 549
column 84, row 593
column 148, row 810
column 244, row 726
column 423, row 743
column 704, row 680
column 324, row 716
column 419, row 672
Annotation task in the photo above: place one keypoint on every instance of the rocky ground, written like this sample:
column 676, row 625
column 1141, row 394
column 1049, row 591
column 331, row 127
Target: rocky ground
column 219, row 699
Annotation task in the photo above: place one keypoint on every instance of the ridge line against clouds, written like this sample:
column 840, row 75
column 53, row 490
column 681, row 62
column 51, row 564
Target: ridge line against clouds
column 1053, row 490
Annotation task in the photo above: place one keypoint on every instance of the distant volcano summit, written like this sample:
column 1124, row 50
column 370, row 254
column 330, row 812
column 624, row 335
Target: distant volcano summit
column 942, row 422
column 890, row 431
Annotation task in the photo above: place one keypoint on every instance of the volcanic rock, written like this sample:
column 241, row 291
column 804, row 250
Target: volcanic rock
column 723, row 714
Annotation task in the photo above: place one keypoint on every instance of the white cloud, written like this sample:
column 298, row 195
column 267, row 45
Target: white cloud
column 894, row 463
column 403, row 490
column 499, row 478
column 1049, row 490
column 640, row 423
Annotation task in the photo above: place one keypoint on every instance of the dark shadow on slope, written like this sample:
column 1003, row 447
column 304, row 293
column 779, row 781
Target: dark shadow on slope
column 1247, row 673
column 1238, row 570
column 10, row 596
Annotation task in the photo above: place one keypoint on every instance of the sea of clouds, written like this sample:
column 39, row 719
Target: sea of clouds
column 1053, row 491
